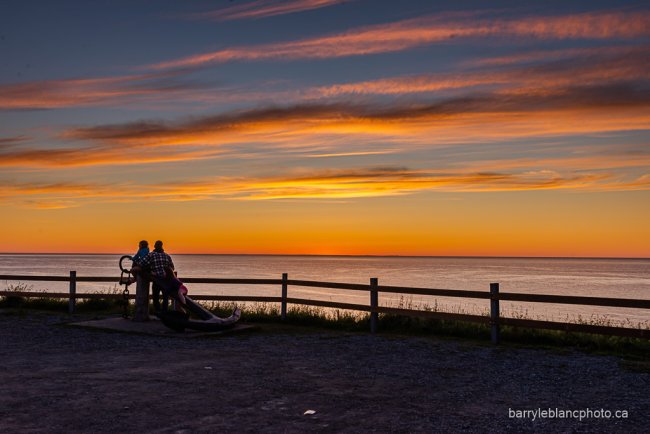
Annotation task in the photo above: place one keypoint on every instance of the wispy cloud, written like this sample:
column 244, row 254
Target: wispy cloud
column 603, row 161
column 319, row 128
column 317, row 116
column 513, row 74
column 99, row 155
column 9, row 142
column 350, row 154
column 314, row 184
column 264, row 8
column 412, row 33
column 339, row 184
column 545, row 55
column 49, row 195
column 49, row 94
column 572, row 68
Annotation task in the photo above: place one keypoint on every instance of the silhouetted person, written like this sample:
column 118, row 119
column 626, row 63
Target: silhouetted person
column 159, row 263
column 143, row 251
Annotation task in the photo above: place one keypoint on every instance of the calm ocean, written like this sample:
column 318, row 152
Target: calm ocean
column 623, row 278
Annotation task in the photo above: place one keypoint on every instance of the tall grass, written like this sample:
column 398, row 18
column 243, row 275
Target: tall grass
column 296, row 314
column 102, row 304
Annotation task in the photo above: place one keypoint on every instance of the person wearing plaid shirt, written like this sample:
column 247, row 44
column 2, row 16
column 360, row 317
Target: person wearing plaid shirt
column 158, row 261
column 159, row 264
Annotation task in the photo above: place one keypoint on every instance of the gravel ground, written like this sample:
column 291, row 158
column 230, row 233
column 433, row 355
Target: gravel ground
column 69, row 380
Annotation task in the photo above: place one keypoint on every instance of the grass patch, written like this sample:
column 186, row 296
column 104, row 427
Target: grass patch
column 353, row 321
column 108, row 304
column 335, row 319
column 37, row 303
column 342, row 320
column 45, row 303
column 520, row 336
column 593, row 343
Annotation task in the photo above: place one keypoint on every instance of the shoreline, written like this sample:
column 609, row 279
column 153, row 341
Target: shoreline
column 587, row 258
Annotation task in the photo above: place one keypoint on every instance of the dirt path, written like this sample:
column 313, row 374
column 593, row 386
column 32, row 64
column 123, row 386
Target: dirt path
column 61, row 379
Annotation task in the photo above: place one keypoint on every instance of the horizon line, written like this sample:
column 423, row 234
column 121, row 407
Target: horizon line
column 348, row 255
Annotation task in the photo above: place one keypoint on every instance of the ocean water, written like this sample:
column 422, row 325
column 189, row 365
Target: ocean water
column 621, row 278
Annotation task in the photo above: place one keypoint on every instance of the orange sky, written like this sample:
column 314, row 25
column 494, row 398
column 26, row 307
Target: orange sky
column 501, row 132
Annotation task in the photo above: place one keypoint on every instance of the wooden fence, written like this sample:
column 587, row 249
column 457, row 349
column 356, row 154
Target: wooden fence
column 373, row 288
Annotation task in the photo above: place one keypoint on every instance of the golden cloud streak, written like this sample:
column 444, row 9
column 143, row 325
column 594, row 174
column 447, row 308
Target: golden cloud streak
column 412, row 33
column 325, row 184
column 351, row 154
column 99, row 155
column 597, row 102
column 390, row 182
column 331, row 130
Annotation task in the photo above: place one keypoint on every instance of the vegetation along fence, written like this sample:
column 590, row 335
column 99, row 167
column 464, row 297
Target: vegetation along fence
column 373, row 288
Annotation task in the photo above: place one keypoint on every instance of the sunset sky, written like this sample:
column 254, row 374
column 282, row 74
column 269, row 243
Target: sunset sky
column 326, row 127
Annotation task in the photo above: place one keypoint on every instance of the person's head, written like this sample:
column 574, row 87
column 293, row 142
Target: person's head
column 158, row 245
column 144, row 244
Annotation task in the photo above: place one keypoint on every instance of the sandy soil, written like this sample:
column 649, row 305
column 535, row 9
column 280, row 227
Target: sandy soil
column 60, row 379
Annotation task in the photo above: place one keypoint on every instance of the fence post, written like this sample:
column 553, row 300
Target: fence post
column 374, row 303
column 494, row 312
column 73, row 292
column 283, row 308
column 141, row 313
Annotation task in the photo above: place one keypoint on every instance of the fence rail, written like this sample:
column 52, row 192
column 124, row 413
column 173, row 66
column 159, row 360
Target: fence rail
column 494, row 319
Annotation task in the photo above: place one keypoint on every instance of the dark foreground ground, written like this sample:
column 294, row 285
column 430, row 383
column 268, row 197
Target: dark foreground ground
column 69, row 380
